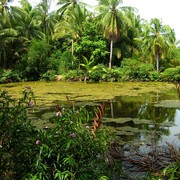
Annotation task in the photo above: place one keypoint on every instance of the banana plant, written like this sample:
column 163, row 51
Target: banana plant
column 87, row 65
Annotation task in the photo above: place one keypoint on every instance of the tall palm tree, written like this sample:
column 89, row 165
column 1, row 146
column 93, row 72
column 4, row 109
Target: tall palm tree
column 25, row 21
column 133, row 31
column 66, row 4
column 7, row 37
column 47, row 20
column 71, row 25
column 113, row 21
column 7, row 34
column 4, row 12
column 158, row 39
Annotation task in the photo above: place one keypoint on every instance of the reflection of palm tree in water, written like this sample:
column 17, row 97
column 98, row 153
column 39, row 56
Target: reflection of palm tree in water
column 158, row 115
column 178, row 93
column 178, row 89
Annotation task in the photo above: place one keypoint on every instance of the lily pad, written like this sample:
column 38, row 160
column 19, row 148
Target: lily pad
column 127, row 129
column 142, row 121
column 124, row 120
column 168, row 104
column 122, row 133
column 168, row 124
column 117, row 120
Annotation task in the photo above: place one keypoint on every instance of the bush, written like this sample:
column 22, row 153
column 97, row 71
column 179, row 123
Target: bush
column 9, row 76
column 65, row 62
column 74, row 75
column 117, row 74
column 134, row 69
column 17, row 150
column 60, row 62
column 98, row 72
column 49, row 75
column 144, row 71
column 154, row 76
column 67, row 150
column 37, row 61
column 171, row 74
column 112, row 75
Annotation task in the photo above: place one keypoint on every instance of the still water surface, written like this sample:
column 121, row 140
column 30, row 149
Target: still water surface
column 136, row 111
column 139, row 119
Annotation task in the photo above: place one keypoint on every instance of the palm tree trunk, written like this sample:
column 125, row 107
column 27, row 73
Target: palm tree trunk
column 111, row 50
column 157, row 62
column 72, row 52
column 112, row 110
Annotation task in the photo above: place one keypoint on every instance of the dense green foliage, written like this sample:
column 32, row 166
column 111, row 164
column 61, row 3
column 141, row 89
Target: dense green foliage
column 67, row 150
column 38, row 44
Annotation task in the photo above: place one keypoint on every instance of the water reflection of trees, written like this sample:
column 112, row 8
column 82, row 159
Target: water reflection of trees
column 156, row 114
column 142, row 109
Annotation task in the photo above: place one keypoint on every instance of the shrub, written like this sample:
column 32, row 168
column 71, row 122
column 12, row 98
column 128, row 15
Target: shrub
column 117, row 74
column 171, row 74
column 154, row 76
column 73, row 75
column 112, row 75
column 65, row 62
column 10, row 76
column 16, row 135
column 134, row 69
column 98, row 72
column 49, row 75
column 37, row 61
column 60, row 62
column 144, row 71
column 67, row 150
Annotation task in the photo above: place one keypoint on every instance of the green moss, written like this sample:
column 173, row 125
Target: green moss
column 49, row 92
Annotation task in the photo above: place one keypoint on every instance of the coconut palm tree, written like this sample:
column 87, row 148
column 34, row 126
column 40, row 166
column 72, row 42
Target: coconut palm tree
column 66, row 4
column 113, row 21
column 47, row 20
column 158, row 39
column 25, row 21
column 4, row 12
column 71, row 26
column 7, row 37
column 133, row 32
column 7, row 34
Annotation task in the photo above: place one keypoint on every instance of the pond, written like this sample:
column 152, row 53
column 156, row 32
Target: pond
column 138, row 119
column 136, row 111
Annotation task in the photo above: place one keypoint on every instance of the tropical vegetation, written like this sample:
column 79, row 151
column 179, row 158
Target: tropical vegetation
column 74, row 145
column 78, row 43
column 110, row 43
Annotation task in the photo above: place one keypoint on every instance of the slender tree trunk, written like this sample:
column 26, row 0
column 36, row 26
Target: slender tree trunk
column 111, row 50
column 112, row 110
column 157, row 62
column 72, row 52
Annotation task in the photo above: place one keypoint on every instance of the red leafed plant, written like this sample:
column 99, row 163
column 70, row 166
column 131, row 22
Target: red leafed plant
column 97, row 120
